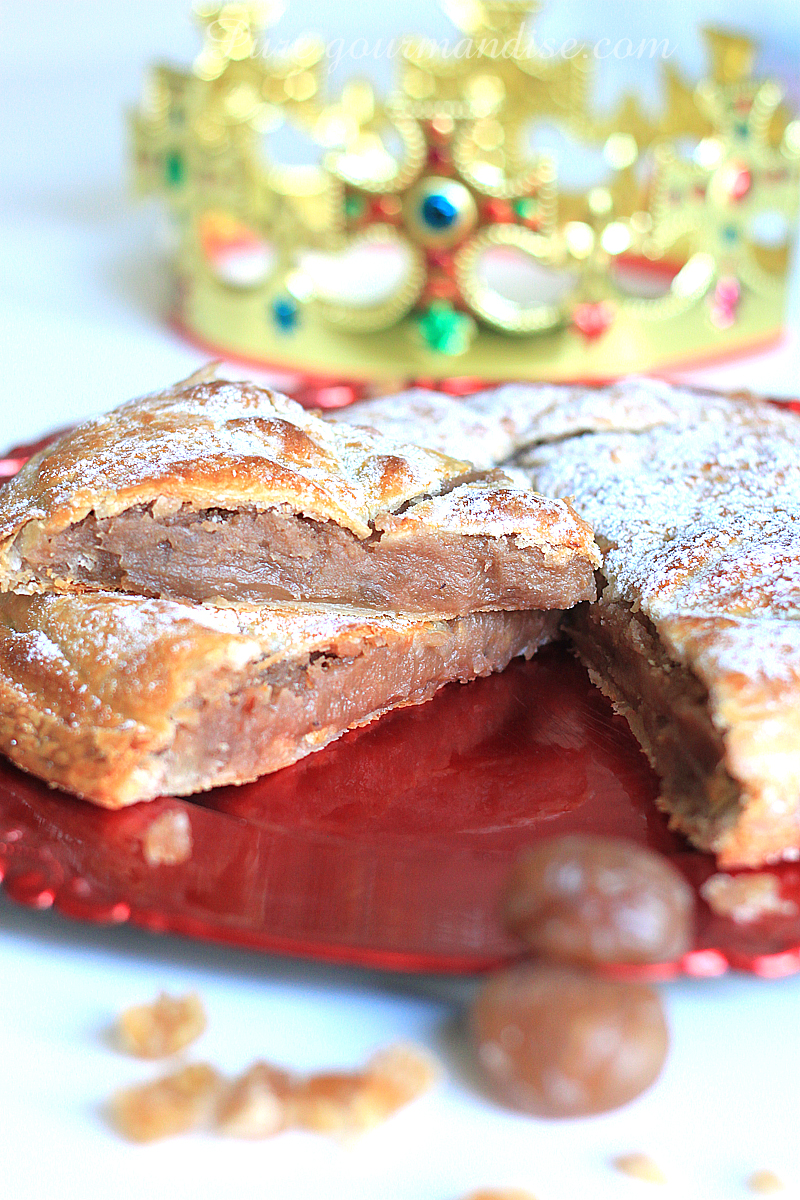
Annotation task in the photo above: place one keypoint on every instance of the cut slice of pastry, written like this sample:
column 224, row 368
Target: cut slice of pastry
column 120, row 699
column 218, row 490
column 695, row 501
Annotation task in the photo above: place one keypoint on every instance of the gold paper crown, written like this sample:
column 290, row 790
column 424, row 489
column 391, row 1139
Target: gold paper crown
column 432, row 241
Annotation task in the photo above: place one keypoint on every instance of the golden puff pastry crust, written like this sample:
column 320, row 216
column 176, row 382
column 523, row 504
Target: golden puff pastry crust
column 119, row 699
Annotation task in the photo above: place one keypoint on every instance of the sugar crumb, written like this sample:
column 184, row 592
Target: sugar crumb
column 174, row 1104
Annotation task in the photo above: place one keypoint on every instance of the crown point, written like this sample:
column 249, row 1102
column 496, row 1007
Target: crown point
column 731, row 55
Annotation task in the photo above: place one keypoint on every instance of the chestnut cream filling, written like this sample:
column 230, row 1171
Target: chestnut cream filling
column 253, row 556
column 666, row 706
column 271, row 718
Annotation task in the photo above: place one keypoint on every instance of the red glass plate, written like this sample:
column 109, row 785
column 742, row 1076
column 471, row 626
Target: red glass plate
column 388, row 848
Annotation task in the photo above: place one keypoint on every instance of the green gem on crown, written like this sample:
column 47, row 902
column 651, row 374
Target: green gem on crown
column 174, row 169
column 353, row 206
column 446, row 330
column 527, row 208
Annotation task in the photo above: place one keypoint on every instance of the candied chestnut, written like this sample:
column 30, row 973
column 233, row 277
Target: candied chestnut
column 591, row 900
column 558, row 1041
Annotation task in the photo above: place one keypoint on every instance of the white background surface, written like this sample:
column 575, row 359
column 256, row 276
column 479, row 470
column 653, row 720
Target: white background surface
column 79, row 313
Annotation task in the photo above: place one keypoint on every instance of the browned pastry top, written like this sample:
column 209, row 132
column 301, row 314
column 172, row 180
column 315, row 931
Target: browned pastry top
column 694, row 496
column 216, row 443
column 699, row 519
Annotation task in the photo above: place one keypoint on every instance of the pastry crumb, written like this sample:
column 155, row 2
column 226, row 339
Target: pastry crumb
column 167, row 841
column 174, row 1104
column 162, row 1028
column 405, row 1072
column 765, row 1183
column 264, row 1099
column 255, row 1104
column 640, row 1166
column 500, row 1194
column 352, row 1102
column 746, row 898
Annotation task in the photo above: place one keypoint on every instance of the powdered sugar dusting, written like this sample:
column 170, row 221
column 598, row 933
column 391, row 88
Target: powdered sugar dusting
column 753, row 652
column 489, row 427
column 109, row 661
column 498, row 509
column 296, row 629
column 222, row 444
column 125, row 630
column 39, row 649
column 218, row 444
column 701, row 518
column 120, row 630
column 694, row 497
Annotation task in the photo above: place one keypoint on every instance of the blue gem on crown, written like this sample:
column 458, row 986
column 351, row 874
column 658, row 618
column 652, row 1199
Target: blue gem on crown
column 438, row 211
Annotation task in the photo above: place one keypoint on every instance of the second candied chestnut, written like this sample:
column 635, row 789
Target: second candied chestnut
column 593, row 900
